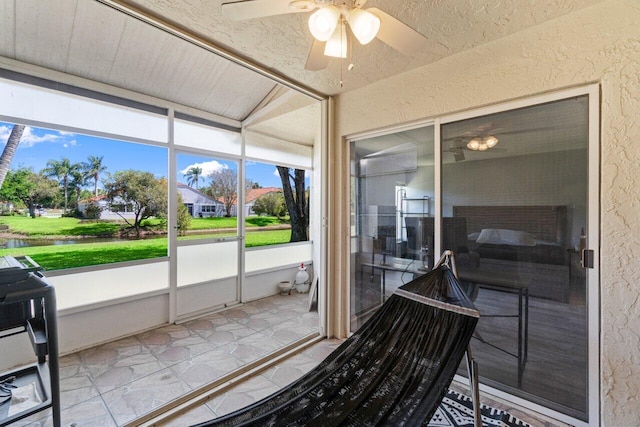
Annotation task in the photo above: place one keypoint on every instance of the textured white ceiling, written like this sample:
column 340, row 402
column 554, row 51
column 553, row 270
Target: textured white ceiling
column 282, row 43
column 98, row 40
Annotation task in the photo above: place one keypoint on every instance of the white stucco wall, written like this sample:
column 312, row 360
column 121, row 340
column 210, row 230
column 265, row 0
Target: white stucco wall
column 597, row 44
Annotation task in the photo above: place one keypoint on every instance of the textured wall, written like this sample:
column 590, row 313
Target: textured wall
column 597, row 44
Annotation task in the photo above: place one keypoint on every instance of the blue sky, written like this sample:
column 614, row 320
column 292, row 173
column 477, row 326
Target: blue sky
column 38, row 146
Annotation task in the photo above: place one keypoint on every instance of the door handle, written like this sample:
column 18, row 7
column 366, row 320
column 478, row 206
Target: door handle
column 587, row 258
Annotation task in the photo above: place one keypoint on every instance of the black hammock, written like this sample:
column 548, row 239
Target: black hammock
column 393, row 371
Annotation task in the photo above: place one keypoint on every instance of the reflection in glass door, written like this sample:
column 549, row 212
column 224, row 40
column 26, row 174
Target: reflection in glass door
column 514, row 208
column 392, row 181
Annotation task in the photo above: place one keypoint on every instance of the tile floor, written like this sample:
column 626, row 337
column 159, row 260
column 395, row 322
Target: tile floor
column 114, row 383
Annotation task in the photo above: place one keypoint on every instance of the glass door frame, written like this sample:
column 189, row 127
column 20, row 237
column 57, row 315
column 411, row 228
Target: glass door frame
column 174, row 152
column 593, row 228
column 593, row 233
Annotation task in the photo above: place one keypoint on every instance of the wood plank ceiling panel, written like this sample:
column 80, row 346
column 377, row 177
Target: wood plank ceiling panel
column 43, row 30
column 7, row 29
column 93, row 41
column 142, row 62
column 97, row 33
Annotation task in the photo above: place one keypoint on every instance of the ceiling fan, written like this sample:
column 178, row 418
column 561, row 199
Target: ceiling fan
column 331, row 24
column 482, row 138
column 458, row 146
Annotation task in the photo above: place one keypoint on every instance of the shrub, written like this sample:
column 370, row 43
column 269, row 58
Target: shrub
column 270, row 204
column 92, row 211
column 184, row 219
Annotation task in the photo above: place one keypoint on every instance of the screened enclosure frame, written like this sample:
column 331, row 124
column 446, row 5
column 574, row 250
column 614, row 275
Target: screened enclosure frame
column 94, row 91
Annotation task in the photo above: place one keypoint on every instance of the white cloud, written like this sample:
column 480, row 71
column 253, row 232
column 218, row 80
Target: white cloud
column 5, row 131
column 29, row 138
column 207, row 167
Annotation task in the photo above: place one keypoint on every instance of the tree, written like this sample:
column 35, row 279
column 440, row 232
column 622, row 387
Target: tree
column 146, row 195
column 43, row 191
column 78, row 180
column 224, row 185
column 249, row 184
column 193, row 176
column 10, row 150
column 296, row 201
column 61, row 169
column 27, row 187
column 270, row 204
column 16, row 187
column 184, row 219
column 94, row 168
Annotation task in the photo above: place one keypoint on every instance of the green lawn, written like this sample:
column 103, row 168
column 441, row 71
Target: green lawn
column 250, row 222
column 58, row 257
column 43, row 226
column 270, row 237
column 73, row 227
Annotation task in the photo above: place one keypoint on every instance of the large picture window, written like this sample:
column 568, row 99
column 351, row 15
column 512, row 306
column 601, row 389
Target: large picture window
column 74, row 200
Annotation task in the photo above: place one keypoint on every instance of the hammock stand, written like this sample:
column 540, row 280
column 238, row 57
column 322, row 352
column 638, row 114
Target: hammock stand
column 393, row 371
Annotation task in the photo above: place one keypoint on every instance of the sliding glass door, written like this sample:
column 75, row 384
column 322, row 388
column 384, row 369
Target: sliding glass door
column 513, row 191
column 515, row 210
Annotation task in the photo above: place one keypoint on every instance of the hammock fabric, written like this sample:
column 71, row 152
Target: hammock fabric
column 393, row 371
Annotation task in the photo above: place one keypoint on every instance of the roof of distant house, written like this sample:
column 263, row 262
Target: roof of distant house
column 188, row 197
column 252, row 194
column 94, row 199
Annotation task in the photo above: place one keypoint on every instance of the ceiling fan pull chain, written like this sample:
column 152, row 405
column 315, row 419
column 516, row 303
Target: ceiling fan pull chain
column 342, row 28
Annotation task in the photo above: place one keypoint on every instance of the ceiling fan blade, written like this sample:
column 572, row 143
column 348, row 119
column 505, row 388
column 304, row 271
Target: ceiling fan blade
column 317, row 60
column 241, row 10
column 398, row 35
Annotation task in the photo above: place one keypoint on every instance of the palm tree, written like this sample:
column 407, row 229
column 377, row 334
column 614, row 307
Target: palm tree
column 94, row 168
column 10, row 150
column 60, row 169
column 78, row 180
column 193, row 175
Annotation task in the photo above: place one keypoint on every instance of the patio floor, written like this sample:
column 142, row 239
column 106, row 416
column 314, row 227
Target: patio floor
column 115, row 383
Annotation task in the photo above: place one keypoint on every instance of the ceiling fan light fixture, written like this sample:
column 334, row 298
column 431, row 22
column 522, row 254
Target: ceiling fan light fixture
column 323, row 22
column 364, row 25
column 474, row 144
column 336, row 46
column 482, row 144
column 491, row 141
